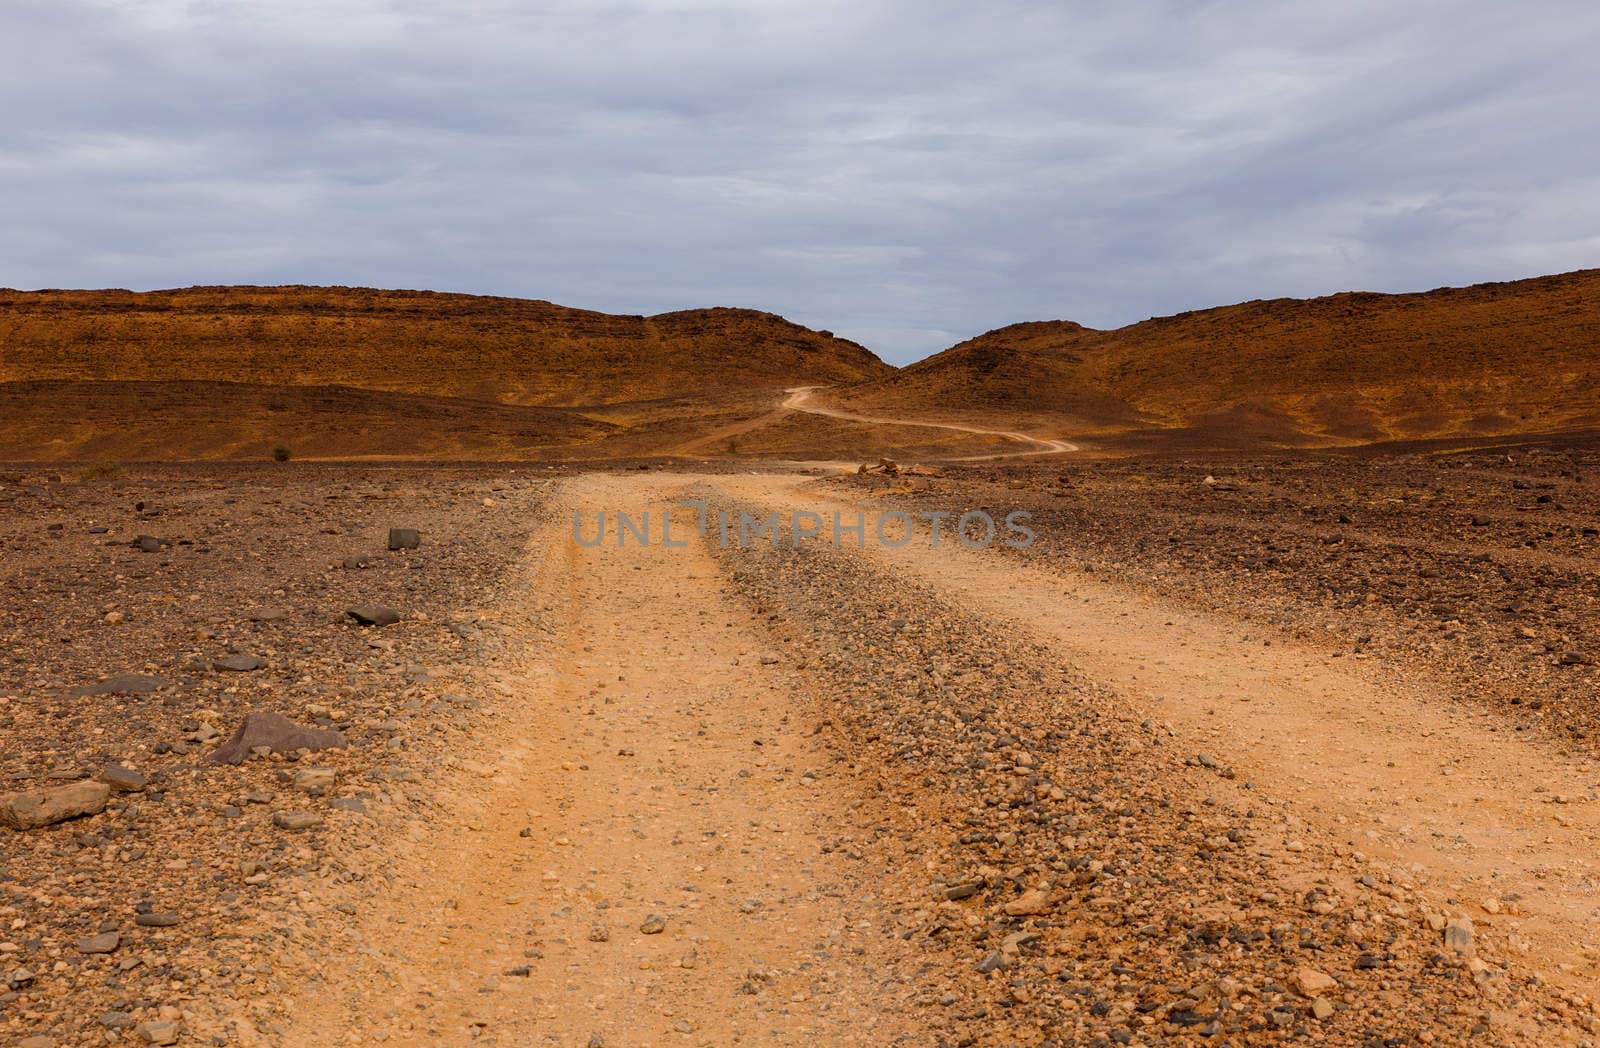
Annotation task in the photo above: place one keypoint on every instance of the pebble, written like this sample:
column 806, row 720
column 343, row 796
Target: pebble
column 655, row 924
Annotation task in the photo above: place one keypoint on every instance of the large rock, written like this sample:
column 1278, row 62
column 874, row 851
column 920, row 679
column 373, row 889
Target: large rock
column 32, row 809
column 374, row 615
column 278, row 734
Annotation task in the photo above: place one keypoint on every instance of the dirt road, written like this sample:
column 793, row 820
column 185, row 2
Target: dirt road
column 800, row 399
column 869, row 796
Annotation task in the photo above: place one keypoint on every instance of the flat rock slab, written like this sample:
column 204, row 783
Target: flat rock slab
column 240, row 663
column 122, row 684
column 374, row 615
column 106, row 942
column 31, row 809
column 278, row 734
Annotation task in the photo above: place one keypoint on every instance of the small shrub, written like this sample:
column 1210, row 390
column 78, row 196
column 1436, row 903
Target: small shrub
column 281, row 454
column 101, row 471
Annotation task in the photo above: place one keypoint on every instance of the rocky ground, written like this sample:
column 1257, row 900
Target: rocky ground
column 127, row 664
column 759, row 796
column 1110, row 888
column 1477, row 567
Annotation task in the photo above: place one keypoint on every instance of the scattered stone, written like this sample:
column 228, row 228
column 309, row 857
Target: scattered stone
column 157, row 920
column 404, row 538
column 276, row 734
column 355, row 804
column 1458, row 935
column 148, row 544
column 105, row 942
column 315, row 778
column 161, row 1032
column 296, row 820
column 1322, row 1008
column 240, row 663
column 374, row 615
column 123, row 684
column 32, row 809
column 1311, row 983
column 356, row 563
column 1030, row 903
column 122, row 779
column 655, row 924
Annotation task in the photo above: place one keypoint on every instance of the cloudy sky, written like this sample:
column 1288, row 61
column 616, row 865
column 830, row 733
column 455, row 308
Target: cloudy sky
column 905, row 172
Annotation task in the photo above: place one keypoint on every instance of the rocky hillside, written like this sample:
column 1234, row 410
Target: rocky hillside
column 1493, row 359
column 220, row 372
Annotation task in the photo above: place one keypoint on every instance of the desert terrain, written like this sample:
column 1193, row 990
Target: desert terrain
column 1282, row 729
column 1264, row 749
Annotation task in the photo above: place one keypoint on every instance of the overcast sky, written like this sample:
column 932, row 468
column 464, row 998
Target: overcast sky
column 908, row 173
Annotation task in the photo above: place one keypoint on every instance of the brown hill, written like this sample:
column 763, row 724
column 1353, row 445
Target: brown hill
column 410, row 373
column 1509, row 358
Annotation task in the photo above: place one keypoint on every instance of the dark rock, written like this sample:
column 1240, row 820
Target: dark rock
column 122, row 779
column 148, row 544
column 157, row 920
column 404, row 538
column 374, row 615
column 123, row 684
column 240, row 663
column 105, row 942
column 278, row 734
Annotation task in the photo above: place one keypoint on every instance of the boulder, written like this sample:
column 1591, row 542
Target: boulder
column 374, row 615
column 278, row 734
column 32, row 809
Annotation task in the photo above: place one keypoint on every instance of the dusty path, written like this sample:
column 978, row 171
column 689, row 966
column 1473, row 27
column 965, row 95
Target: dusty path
column 799, row 399
column 653, row 765
column 1498, row 826
column 657, row 843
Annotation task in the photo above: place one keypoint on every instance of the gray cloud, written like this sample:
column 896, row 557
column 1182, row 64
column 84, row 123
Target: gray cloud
column 905, row 173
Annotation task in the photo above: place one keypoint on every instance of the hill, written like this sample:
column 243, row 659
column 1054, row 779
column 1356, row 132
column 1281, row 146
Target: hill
column 229, row 371
column 1521, row 357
